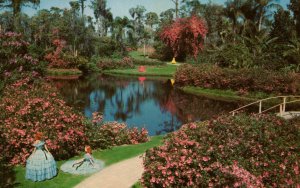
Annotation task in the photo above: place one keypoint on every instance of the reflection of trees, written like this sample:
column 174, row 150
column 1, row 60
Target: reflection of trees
column 200, row 108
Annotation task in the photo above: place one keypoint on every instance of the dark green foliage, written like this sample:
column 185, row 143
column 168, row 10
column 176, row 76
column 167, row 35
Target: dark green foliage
column 294, row 6
column 106, row 46
column 283, row 26
column 242, row 80
column 109, row 63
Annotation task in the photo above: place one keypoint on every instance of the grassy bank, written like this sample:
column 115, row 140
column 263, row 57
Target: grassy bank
column 224, row 95
column 167, row 70
column 109, row 156
column 63, row 72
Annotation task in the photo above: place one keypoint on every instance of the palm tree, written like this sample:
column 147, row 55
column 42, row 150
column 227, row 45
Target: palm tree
column 151, row 19
column 81, row 2
column 16, row 5
column 233, row 12
column 103, row 16
column 137, row 14
column 263, row 6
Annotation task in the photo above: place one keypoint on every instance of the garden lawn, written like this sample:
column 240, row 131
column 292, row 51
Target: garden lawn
column 109, row 156
column 166, row 70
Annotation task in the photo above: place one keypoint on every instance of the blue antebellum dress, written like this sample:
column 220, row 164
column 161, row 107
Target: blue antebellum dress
column 87, row 165
column 40, row 164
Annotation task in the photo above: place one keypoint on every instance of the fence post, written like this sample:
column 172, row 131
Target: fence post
column 284, row 102
column 260, row 106
column 280, row 109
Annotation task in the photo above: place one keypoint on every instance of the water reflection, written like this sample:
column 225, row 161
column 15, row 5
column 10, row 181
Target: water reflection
column 138, row 101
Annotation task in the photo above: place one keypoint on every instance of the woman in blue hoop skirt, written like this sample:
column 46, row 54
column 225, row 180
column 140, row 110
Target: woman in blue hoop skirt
column 87, row 165
column 40, row 165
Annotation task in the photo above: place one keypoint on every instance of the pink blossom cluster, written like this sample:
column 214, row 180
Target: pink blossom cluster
column 239, row 151
column 55, row 58
column 28, row 108
column 11, row 34
column 14, row 53
column 115, row 133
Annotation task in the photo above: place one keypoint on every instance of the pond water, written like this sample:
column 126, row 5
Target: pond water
column 147, row 102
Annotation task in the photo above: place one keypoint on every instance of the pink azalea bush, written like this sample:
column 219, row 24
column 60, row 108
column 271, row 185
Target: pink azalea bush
column 29, row 106
column 15, row 60
column 114, row 134
column 241, row 80
column 239, row 151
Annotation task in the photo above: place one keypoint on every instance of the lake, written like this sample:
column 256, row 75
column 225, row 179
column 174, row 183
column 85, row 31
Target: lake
column 147, row 102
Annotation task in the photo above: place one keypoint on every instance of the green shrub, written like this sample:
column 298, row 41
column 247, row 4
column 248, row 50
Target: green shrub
column 239, row 151
column 242, row 80
column 107, row 46
column 233, row 56
column 74, row 61
column 108, row 63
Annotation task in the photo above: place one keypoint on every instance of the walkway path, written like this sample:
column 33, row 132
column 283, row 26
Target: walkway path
column 120, row 175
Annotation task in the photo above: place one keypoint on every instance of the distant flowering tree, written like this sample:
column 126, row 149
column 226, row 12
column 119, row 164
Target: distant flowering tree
column 187, row 33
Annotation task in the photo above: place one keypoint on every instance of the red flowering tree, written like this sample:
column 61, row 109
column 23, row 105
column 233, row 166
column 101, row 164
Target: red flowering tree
column 187, row 33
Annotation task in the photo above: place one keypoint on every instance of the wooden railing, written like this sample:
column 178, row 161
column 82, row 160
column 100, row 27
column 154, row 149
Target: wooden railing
column 282, row 106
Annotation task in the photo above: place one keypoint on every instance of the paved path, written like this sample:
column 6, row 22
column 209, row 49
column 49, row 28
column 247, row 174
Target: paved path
column 120, row 175
column 289, row 115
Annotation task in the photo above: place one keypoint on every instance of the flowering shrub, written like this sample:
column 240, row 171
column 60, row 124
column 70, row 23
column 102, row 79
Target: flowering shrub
column 14, row 58
column 27, row 107
column 239, row 151
column 114, row 134
column 107, row 63
column 55, row 58
column 243, row 80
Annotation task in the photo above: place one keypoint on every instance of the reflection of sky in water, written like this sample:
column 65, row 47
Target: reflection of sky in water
column 127, row 103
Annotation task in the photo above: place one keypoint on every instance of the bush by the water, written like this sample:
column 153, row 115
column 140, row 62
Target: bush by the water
column 28, row 106
column 109, row 63
column 242, row 80
column 239, row 151
column 114, row 134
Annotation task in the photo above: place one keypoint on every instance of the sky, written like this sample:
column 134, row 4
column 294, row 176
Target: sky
column 121, row 7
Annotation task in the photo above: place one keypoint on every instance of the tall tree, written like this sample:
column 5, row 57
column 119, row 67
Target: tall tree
column 137, row 13
column 81, row 2
column 103, row 15
column 294, row 6
column 151, row 19
column 263, row 6
column 16, row 5
column 233, row 12
column 176, row 2
column 166, row 17
column 283, row 26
